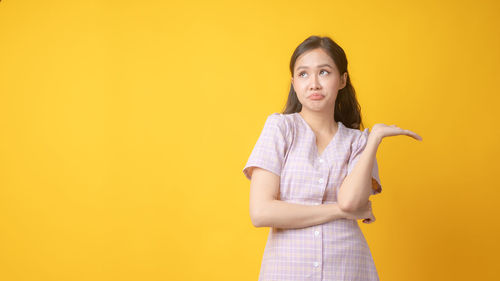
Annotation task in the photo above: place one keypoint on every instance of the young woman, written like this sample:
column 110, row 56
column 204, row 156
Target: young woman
column 312, row 172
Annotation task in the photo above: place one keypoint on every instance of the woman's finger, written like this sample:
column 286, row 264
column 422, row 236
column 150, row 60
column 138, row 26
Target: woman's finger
column 413, row 134
column 393, row 130
column 410, row 133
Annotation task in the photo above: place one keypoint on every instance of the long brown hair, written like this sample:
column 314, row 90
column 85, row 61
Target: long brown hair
column 347, row 109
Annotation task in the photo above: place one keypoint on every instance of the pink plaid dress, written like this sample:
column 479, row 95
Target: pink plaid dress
column 336, row 250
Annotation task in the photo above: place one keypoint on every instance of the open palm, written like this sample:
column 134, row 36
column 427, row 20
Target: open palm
column 383, row 130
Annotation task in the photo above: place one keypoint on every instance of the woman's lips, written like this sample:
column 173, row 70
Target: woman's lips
column 316, row 96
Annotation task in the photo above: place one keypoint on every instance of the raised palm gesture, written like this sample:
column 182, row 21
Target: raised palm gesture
column 382, row 130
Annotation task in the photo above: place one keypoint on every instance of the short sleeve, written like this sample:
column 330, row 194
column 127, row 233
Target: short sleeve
column 358, row 147
column 269, row 151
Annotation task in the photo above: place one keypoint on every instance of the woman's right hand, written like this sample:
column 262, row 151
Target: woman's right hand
column 364, row 213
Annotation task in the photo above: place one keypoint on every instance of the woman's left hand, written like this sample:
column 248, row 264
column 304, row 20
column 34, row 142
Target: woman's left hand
column 382, row 130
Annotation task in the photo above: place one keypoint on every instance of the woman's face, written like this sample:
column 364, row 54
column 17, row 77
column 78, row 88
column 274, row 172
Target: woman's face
column 317, row 80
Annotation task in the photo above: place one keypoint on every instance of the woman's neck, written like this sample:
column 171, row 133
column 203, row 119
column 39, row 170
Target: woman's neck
column 320, row 122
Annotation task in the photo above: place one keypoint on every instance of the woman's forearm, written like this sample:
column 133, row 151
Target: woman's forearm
column 281, row 214
column 356, row 187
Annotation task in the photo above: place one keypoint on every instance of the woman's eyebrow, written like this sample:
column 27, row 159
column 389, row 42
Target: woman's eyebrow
column 318, row 66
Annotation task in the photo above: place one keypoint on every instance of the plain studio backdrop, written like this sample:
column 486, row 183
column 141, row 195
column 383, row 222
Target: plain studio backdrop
column 125, row 126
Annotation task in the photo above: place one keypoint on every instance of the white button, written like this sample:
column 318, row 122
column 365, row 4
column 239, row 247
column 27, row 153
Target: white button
column 320, row 160
column 316, row 233
column 321, row 180
column 316, row 264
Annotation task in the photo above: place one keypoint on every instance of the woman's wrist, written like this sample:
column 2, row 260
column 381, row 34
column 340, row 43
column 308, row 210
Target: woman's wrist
column 374, row 139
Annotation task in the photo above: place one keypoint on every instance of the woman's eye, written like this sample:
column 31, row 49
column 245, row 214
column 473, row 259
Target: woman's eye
column 300, row 74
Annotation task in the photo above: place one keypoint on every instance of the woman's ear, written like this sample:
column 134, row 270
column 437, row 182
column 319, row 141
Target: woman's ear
column 344, row 80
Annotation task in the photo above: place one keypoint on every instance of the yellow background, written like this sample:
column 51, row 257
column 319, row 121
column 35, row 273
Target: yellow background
column 125, row 126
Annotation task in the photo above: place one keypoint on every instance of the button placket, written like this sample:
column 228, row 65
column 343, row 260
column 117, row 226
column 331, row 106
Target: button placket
column 316, row 263
column 322, row 169
column 318, row 242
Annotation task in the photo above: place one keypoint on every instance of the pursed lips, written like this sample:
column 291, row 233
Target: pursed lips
column 315, row 95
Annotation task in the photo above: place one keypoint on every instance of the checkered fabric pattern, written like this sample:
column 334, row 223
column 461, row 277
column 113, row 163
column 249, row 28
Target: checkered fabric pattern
column 336, row 250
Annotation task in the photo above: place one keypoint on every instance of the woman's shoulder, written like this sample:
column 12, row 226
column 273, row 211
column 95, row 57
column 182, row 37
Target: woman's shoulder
column 275, row 119
column 351, row 131
column 285, row 122
column 355, row 135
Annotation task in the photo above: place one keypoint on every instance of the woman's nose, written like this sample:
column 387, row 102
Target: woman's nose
column 314, row 82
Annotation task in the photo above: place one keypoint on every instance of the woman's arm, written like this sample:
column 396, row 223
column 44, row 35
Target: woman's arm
column 280, row 214
column 266, row 210
column 355, row 190
column 356, row 187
